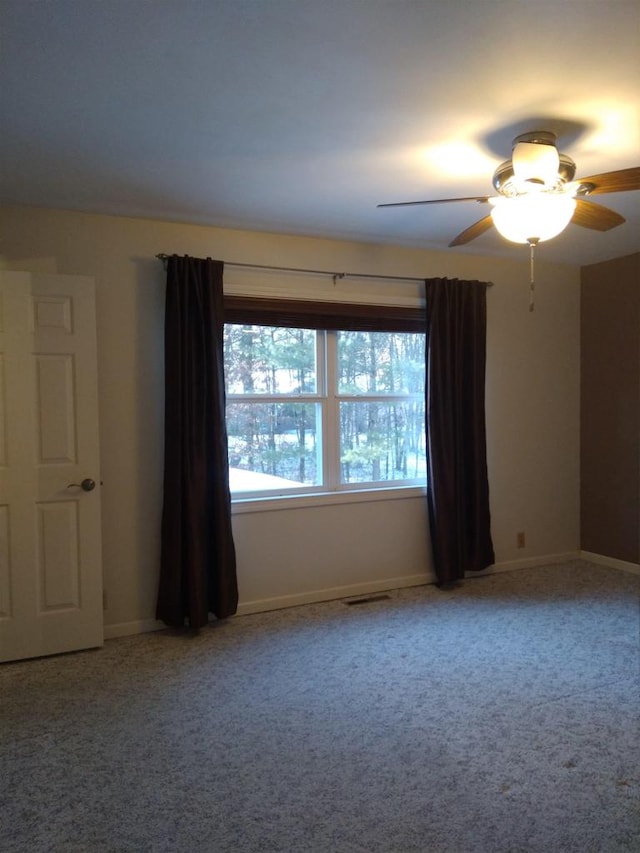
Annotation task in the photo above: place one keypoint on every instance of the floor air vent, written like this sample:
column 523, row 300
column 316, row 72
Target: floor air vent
column 368, row 600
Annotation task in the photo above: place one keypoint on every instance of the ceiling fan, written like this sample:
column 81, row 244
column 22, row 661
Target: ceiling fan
column 537, row 196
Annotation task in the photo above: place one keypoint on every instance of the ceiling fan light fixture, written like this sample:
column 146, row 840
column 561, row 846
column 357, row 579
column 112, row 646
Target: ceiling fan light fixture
column 537, row 194
column 535, row 217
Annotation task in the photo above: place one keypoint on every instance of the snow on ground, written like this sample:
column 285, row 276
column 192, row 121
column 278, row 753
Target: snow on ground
column 251, row 481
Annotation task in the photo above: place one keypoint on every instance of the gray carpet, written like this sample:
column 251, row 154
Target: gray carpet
column 499, row 716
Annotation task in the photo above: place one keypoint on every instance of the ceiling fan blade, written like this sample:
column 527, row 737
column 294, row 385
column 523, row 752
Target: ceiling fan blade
column 588, row 214
column 476, row 230
column 623, row 180
column 482, row 199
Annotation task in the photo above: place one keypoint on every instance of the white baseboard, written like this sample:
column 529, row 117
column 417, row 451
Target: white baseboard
column 316, row 596
column 143, row 626
column 611, row 562
column 127, row 629
column 527, row 563
column 332, row 593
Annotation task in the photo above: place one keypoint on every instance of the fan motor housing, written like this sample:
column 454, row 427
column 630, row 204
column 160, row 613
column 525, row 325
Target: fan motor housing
column 504, row 173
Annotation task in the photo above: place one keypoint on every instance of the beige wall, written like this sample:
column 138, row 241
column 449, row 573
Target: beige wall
column 610, row 405
column 299, row 554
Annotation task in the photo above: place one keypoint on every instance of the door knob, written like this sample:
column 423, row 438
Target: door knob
column 87, row 485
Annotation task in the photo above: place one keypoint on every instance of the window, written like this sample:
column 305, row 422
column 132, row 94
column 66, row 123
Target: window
column 323, row 410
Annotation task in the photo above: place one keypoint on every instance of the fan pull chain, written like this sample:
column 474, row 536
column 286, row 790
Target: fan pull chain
column 533, row 242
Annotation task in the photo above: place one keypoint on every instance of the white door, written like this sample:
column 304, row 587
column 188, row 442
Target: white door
column 50, row 548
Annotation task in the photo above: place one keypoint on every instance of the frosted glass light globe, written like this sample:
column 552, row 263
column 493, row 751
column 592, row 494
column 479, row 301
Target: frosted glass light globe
column 532, row 217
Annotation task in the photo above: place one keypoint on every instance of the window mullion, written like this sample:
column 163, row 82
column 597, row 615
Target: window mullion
column 321, row 391
column 332, row 421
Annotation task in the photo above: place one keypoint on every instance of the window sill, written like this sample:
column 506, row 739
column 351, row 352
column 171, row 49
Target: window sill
column 240, row 506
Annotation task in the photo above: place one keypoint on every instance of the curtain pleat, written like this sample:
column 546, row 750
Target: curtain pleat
column 198, row 562
column 457, row 481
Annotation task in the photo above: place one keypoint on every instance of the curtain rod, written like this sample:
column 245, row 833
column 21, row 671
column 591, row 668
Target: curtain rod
column 334, row 275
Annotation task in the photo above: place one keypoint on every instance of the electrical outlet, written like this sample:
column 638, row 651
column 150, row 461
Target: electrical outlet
column 520, row 540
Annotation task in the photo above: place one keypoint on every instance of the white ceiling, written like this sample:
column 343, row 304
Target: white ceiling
column 299, row 116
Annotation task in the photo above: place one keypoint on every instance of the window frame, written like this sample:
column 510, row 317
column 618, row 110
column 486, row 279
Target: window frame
column 325, row 317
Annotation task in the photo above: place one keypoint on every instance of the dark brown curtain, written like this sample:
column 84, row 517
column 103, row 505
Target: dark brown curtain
column 198, row 563
column 457, row 484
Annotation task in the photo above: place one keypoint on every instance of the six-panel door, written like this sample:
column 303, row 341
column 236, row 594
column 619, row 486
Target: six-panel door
column 50, row 545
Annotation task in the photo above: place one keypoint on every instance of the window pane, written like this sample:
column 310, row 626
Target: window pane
column 380, row 363
column 269, row 360
column 273, row 445
column 382, row 442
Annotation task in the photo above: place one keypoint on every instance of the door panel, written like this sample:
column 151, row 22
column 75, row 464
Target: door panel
column 50, row 537
column 5, row 563
column 59, row 568
column 55, row 409
column 3, row 408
